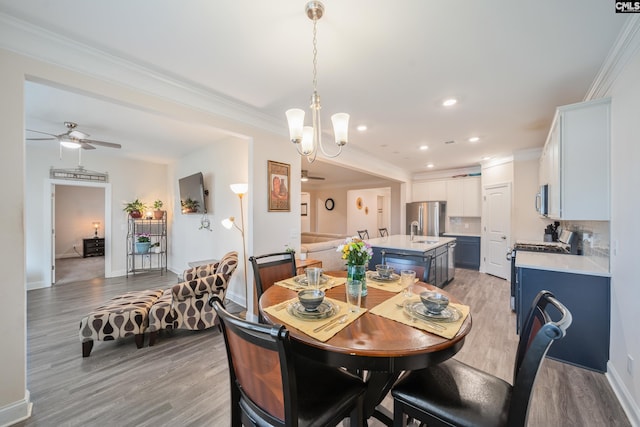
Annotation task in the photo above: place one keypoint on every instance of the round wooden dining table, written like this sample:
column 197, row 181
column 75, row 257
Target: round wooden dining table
column 378, row 348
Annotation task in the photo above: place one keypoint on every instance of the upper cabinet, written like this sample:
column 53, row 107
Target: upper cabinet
column 575, row 162
column 463, row 197
column 430, row 191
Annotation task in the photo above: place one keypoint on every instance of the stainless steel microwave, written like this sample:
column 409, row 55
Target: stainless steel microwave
column 542, row 200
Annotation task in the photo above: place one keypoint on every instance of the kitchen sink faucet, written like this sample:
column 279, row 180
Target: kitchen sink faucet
column 414, row 224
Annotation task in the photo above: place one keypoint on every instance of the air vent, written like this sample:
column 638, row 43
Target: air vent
column 449, row 142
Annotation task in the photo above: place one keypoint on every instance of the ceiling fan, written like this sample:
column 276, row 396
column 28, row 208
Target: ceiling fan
column 73, row 138
column 305, row 176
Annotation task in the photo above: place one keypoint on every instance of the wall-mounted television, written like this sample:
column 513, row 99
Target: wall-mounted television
column 192, row 194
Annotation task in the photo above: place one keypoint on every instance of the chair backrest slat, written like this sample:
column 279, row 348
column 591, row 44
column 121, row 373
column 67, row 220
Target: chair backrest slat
column 383, row 232
column 270, row 268
column 538, row 333
column 363, row 234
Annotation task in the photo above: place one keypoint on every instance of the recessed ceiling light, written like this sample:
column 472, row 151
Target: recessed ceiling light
column 474, row 139
column 424, row 147
column 486, row 158
column 361, row 128
column 450, row 102
column 430, row 165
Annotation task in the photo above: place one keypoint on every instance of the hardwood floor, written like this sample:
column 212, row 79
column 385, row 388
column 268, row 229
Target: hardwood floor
column 183, row 379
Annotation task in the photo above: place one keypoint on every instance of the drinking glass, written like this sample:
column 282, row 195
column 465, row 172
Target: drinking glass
column 354, row 295
column 407, row 279
column 313, row 277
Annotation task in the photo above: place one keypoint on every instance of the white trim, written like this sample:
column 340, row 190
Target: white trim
column 17, row 411
column 624, row 397
column 49, row 183
column 623, row 49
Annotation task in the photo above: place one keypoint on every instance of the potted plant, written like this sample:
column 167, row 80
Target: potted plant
column 143, row 243
column 189, row 205
column 134, row 209
column 158, row 213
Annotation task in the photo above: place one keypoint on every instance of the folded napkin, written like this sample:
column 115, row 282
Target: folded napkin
column 310, row 327
column 389, row 286
column 331, row 283
column 392, row 309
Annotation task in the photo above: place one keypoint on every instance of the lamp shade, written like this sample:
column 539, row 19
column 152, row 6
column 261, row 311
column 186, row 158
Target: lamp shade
column 307, row 141
column 69, row 143
column 295, row 119
column 240, row 188
column 341, row 128
column 228, row 222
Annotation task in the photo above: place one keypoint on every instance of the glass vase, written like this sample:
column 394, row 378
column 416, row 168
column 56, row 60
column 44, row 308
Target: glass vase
column 358, row 272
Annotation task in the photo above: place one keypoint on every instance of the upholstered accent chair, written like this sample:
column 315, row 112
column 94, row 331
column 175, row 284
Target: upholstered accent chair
column 185, row 305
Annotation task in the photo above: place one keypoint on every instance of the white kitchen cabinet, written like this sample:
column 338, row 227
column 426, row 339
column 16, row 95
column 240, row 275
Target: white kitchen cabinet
column 463, row 197
column 430, row 191
column 575, row 162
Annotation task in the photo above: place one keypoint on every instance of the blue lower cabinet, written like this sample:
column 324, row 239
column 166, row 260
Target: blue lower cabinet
column 467, row 252
column 588, row 298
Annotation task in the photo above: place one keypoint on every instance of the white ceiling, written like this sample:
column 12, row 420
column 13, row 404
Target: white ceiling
column 387, row 63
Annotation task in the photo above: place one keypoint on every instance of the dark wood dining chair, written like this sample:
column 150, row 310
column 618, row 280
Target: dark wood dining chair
column 363, row 234
column 421, row 264
column 270, row 268
column 455, row 394
column 383, row 232
column 270, row 385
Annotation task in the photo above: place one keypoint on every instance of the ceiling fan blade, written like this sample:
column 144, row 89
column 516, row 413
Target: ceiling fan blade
column 41, row 139
column 86, row 146
column 102, row 143
column 319, row 178
column 44, row 133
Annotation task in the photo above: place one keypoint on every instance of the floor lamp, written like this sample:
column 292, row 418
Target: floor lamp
column 240, row 190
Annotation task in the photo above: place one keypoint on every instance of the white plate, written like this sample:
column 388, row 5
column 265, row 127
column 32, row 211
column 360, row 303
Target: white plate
column 324, row 311
column 374, row 276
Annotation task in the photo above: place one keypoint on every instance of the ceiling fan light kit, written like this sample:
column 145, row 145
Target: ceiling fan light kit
column 307, row 139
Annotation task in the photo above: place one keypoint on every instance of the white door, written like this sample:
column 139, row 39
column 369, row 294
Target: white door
column 497, row 229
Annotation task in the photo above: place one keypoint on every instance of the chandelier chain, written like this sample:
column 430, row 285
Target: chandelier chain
column 315, row 52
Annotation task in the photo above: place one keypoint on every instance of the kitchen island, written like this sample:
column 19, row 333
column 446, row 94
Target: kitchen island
column 437, row 247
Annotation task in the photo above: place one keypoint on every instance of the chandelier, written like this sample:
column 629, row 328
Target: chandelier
column 307, row 139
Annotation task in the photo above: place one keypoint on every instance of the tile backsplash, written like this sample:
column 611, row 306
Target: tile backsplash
column 464, row 225
column 593, row 239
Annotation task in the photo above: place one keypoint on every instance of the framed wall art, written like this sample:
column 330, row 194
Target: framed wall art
column 279, row 178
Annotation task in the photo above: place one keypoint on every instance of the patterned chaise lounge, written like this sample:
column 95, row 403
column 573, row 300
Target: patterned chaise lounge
column 185, row 305
column 120, row 317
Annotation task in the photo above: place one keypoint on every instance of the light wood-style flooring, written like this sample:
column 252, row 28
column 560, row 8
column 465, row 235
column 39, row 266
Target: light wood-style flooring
column 183, row 379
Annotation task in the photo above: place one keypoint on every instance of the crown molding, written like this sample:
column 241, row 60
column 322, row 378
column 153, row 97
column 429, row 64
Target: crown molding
column 623, row 49
column 43, row 45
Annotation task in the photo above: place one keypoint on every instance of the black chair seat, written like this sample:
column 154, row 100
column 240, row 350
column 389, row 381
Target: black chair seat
column 324, row 392
column 455, row 393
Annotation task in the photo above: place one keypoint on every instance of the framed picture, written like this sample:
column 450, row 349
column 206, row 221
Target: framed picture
column 279, row 178
column 303, row 209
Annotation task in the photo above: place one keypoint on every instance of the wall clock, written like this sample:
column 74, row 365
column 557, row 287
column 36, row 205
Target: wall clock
column 329, row 204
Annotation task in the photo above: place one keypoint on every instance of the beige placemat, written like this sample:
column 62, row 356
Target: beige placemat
column 390, row 286
column 332, row 282
column 391, row 310
column 310, row 327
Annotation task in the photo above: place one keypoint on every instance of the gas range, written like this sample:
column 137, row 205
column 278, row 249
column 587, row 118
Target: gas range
column 550, row 247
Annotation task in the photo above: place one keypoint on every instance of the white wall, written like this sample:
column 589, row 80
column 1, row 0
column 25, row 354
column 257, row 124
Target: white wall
column 189, row 242
column 526, row 224
column 126, row 183
column 76, row 210
column 365, row 218
column 625, row 234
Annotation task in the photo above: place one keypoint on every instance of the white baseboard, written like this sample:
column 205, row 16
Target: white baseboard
column 37, row 285
column 17, row 411
column 626, row 400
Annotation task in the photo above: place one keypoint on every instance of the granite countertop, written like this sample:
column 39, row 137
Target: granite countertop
column 403, row 241
column 463, row 234
column 576, row 264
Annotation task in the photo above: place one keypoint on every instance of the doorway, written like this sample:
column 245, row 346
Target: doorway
column 496, row 215
column 77, row 211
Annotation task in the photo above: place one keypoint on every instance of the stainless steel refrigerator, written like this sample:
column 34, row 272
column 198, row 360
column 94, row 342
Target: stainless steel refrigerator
column 430, row 217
